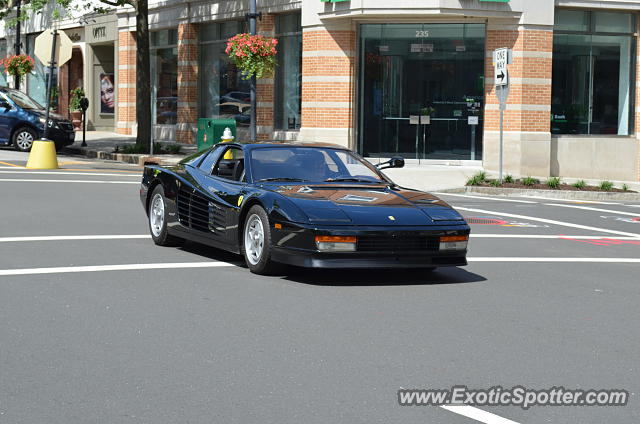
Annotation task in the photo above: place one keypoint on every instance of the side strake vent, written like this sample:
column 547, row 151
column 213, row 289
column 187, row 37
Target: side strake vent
column 196, row 212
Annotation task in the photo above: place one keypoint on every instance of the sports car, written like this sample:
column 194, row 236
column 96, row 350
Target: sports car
column 308, row 205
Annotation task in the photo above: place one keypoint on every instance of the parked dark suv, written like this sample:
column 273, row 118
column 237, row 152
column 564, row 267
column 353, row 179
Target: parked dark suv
column 22, row 122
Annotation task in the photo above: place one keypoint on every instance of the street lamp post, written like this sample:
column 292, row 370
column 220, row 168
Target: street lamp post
column 252, row 16
column 16, row 78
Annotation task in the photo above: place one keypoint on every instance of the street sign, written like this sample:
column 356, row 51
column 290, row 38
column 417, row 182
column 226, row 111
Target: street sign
column 501, row 58
column 63, row 49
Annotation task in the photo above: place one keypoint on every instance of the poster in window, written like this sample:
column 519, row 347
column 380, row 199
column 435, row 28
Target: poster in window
column 107, row 93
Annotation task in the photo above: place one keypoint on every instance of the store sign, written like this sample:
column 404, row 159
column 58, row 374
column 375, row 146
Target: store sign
column 101, row 32
column 421, row 48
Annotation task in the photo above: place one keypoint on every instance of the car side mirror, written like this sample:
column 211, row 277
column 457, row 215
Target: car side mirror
column 395, row 162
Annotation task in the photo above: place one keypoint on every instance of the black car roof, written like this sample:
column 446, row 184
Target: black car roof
column 253, row 145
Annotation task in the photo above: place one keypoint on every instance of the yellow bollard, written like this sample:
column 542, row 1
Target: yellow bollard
column 43, row 155
column 227, row 137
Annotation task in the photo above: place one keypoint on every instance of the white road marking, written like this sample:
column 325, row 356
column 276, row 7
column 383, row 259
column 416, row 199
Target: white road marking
column 29, row 180
column 57, row 238
column 587, row 208
column 103, row 268
column 545, row 236
column 525, row 259
column 485, row 198
column 570, row 200
column 550, row 221
column 27, row 171
column 477, row 414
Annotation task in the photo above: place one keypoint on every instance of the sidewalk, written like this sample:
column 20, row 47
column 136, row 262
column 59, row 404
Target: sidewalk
column 102, row 145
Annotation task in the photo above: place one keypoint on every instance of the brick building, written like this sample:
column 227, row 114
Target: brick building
column 408, row 77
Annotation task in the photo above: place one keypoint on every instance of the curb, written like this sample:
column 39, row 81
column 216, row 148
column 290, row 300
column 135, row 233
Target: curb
column 136, row 159
column 552, row 194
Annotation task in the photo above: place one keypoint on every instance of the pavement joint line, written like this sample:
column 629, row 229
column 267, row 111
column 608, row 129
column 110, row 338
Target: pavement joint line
column 87, row 237
column 486, row 198
column 552, row 259
column 30, row 180
column 26, row 171
column 477, row 414
column 546, row 236
column 550, row 221
column 587, row 208
column 123, row 267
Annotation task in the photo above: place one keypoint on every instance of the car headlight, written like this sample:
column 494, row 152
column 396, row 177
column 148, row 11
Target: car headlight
column 454, row 242
column 336, row 243
column 51, row 122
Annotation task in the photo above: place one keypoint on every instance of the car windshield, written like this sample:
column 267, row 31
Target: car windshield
column 310, row 164
column 22, row 100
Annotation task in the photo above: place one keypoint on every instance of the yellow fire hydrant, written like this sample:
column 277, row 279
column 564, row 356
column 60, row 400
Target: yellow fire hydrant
column 227, row 137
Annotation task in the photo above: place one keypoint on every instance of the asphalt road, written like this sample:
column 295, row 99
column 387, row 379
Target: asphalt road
column 550, row 298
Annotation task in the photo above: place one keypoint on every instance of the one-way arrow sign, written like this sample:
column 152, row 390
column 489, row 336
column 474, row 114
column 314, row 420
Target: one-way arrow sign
column 501, row 60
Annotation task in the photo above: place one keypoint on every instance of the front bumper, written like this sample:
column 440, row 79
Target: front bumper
column 386, row 247
column 62, row 137
column 309, row 259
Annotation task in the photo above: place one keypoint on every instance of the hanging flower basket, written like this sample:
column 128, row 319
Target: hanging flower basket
column 253, row 54
column 19, row 65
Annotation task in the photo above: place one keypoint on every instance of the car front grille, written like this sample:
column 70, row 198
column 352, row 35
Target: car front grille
column 397, row 243
column 66, row 126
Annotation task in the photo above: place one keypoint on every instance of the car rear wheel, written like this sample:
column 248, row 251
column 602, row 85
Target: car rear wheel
column 158, row 220
column 257, row 242
column 23, row 139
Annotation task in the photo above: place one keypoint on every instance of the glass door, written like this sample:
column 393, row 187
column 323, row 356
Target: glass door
column 419, row 86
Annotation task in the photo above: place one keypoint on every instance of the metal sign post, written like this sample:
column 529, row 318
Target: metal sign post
column 52, row 65
column 501, row 58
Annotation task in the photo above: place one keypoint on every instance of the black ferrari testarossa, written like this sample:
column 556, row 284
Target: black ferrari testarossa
column 309, row 205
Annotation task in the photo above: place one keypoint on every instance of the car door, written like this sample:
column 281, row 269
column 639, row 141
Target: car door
column 219, row 181
column 6, row 118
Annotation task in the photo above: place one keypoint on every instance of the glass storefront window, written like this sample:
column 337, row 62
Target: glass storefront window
column 164, row 76
column 419, row 86
column 3, row 54
column 592, row 89
column 288, row 78
column 222, row 92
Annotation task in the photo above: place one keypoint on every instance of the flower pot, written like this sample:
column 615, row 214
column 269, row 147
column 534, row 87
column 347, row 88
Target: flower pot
column 76, row 119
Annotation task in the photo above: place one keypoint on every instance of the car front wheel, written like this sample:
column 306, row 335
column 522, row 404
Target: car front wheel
column 257, row 242
column 23, row 139
column 158, row 220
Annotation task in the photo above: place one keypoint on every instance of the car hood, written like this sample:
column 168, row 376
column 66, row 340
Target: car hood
column 369, row 205
column 52, row 115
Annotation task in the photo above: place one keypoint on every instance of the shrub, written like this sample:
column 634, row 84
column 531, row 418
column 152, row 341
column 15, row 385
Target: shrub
column 496, row 183
column 76, row 95
column 529, row 181
column 580, row 184
column 625, row 187
column 606, row 186
column 509, row 179
column 553, row 182
column 477, row 179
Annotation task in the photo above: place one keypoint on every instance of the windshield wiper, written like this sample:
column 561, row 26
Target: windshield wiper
column 351, row 179
column 280, row 179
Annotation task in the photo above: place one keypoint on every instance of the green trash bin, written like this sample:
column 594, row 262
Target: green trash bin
column 210, row 131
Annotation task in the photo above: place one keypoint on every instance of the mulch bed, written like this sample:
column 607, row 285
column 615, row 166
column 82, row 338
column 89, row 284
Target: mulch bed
column 541, row 186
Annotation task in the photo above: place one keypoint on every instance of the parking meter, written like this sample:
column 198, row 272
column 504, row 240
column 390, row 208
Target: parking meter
column 84, row 105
